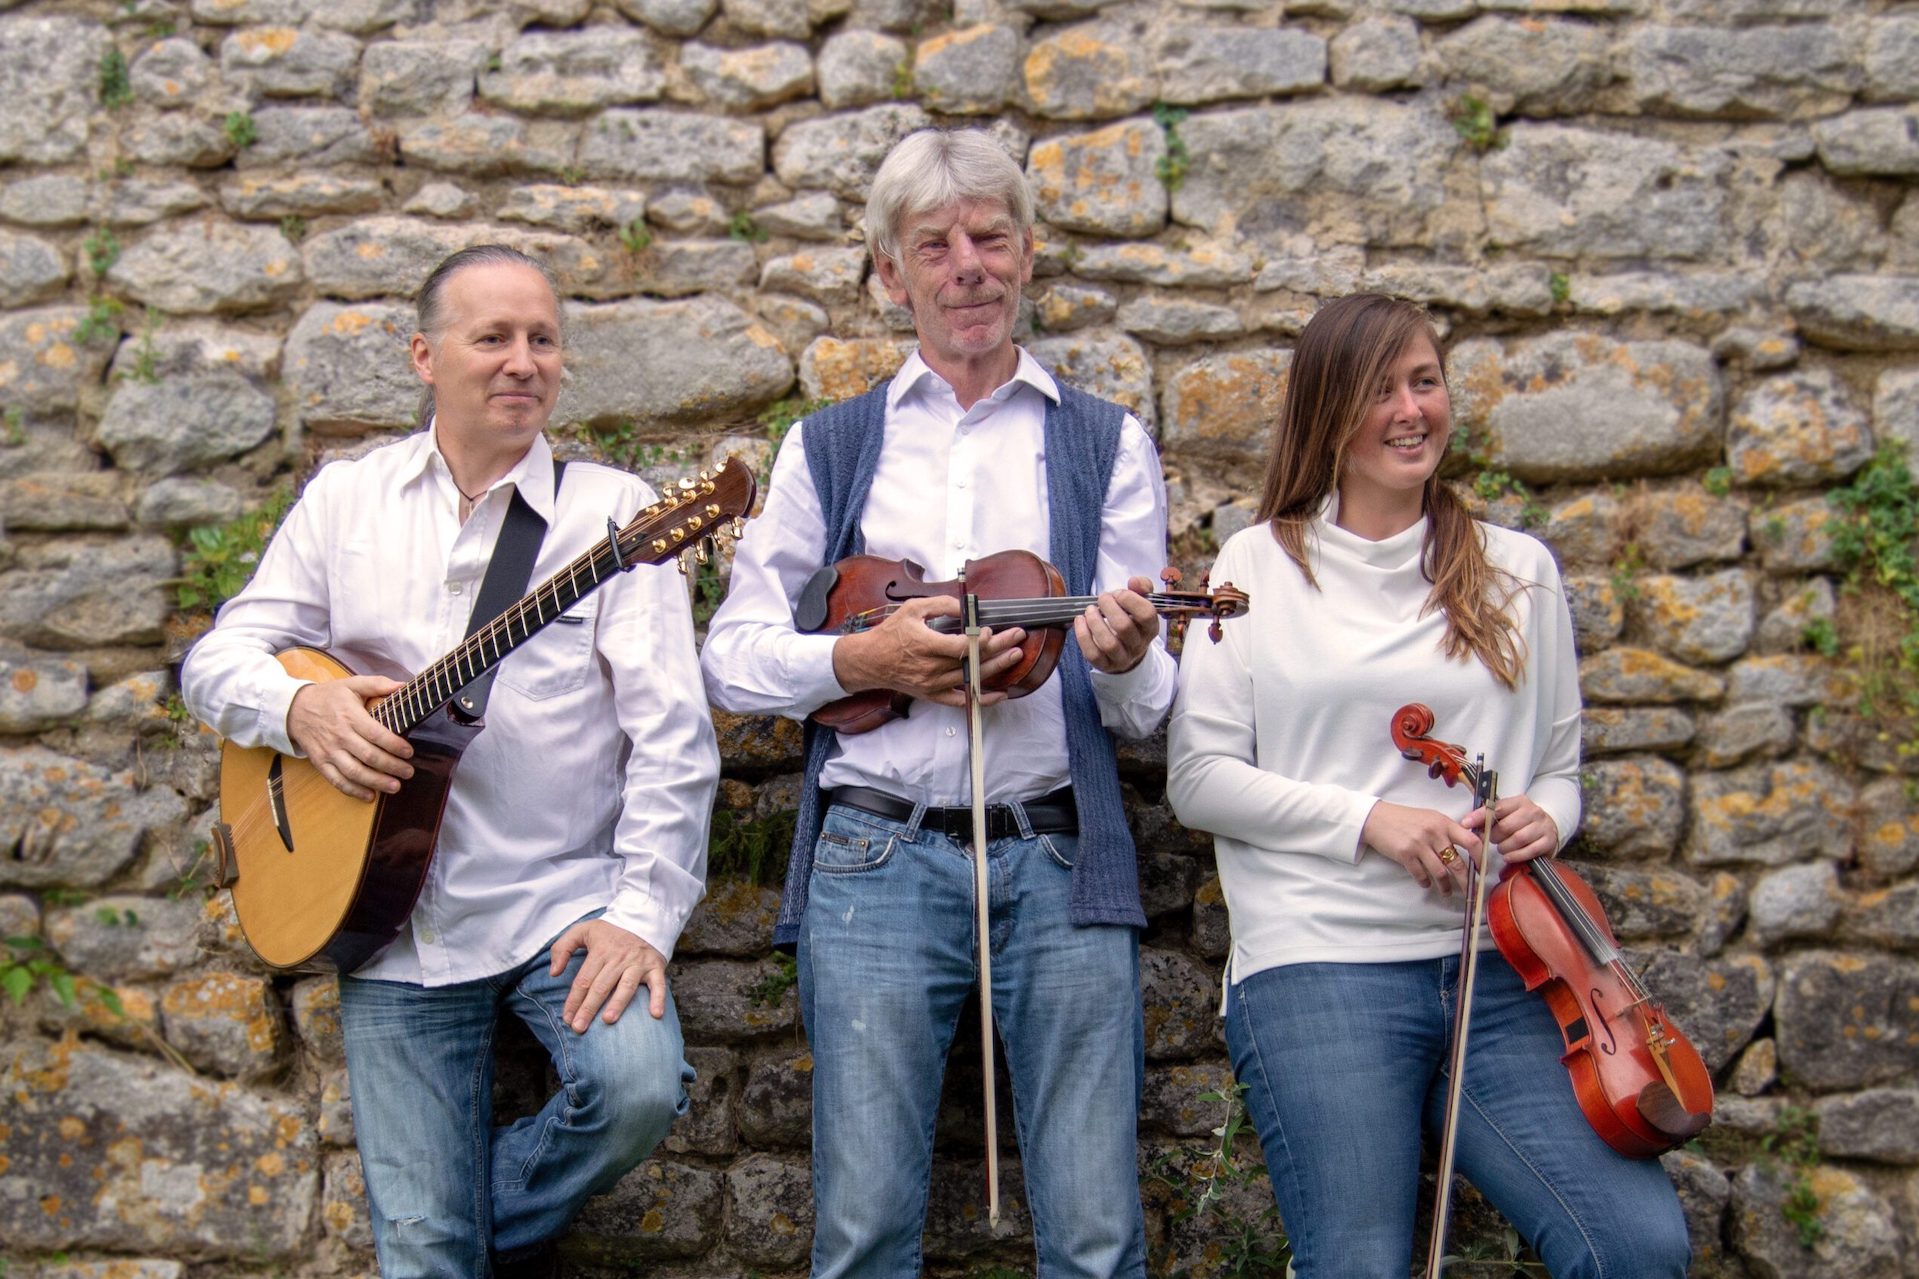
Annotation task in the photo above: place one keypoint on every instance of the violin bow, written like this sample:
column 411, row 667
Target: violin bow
column 1485, row 794
column 981, row 913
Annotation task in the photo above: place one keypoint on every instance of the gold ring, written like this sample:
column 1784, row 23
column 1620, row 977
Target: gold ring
column 1449, row 854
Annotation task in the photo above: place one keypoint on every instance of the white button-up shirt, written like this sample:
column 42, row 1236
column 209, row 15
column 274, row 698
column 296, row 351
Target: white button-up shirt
column 592, row 782
column 951, row 486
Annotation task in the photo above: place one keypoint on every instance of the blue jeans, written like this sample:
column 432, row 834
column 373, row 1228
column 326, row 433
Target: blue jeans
column 1345, row 1063
column 444, row 1186
column 886, row 959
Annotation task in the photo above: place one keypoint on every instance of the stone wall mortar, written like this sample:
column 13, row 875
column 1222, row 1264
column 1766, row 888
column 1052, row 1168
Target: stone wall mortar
column 1674, row 245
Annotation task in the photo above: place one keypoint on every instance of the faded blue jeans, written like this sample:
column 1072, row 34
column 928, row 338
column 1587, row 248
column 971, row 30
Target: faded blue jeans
column 1345, row 1064
column 444, row 1186
column 886, row 959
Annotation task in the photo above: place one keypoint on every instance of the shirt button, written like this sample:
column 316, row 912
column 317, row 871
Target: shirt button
column 950, row 732
column 454, row 588
column 959, row 543
column 960, row 483
column 426, row 936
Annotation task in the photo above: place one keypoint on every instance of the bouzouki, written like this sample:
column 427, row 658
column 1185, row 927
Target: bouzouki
column 322, row 879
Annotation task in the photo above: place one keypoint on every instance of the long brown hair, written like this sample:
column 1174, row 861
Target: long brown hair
column 1342, row 357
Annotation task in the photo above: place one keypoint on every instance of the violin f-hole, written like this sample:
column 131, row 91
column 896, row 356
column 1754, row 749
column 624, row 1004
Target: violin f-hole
column 1609, row 1045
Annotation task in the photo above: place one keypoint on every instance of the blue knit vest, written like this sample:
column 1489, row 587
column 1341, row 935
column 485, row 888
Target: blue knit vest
column 1081, row 440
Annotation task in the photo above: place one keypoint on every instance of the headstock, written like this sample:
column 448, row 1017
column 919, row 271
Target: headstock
column 1218, row 603
column 690, row 516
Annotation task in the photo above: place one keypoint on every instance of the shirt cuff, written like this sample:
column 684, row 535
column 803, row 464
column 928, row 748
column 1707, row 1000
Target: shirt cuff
column 275, row 704
column 809, row 671
column 646, row 920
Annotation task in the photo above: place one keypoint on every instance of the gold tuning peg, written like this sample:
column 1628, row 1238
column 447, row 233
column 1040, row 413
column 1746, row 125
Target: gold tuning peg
column 686, row 482
column 680, row 559
column 737, row 527
column 706, row 475
column 703, row 550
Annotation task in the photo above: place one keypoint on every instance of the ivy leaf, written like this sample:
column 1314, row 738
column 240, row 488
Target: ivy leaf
column 61, row 982
column 16, row 981
column 110, row 999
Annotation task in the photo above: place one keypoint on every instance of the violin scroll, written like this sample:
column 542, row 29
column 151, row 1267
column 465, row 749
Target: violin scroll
column 1411, row 724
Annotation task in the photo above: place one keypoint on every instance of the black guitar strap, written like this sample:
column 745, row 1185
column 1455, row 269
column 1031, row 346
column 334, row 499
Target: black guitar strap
column 507, row 574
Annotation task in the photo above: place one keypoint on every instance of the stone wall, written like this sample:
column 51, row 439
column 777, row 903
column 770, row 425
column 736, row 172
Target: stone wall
column 1675, row 243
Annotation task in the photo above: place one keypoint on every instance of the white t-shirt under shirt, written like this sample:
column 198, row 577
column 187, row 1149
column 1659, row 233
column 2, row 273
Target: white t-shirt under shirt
column 1280, row 742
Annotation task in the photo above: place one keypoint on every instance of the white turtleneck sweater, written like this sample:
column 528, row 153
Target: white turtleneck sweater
column 1280, row 742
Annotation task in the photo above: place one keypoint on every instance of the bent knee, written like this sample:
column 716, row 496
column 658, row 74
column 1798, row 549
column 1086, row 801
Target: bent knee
column 633, row 1109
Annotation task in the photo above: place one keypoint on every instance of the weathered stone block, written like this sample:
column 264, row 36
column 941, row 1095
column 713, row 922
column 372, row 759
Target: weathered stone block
column 1892, row 58
column 1690, row 294
column 316, row 1016
column 480, row 145
column 1720, row 1002
column 49, row 78
column 1111, row 366
column 312, row 137
column 1795, row 903
column 1881, row 1124
column 772, row 1222
column 670, row 17
column 335, row 1122
column 179, row 138
column 835, row 369
column 1212, row 928
column 1846, row 1021
column 420, row 77
column 1859, row 1236
column 227, row 1023
column 735, row 919
column 570, row 208
column 343, row 1202
column 30, row 269
column 37, row 693
column 1598, row 613
column 1062, row 308
column 1579, row 192
column 1787, row 679
column 1700, row 620
column 1090, row 71
column 571, row 72
column 699, row 359
column 1172, row 1103
column 972, row 71
column 182, row 424
column 1771, row 814
column 123, row 938
column 1376, row 53
column 1203, row 266
column 662, row 1209
column 787, row 18
column 1572, row 406
column 1685, row 525
column 1262, row 172
column 1520, row 288
column 1784, row 629
column 1613, row 730
column 1226, row 405
column 1796, row 429
column 1181, row 999
column 78, row 593
column 1796, row 536
column 807, row 217
column 841, row 153
column 1200, row 64
column 285, row 62
column 1635, row 807
column 1585, row 529
column 218, row 267
column 1539, row 66
column 1647, row 904
column 126, row 1154
column 750, row 79
column 723, row 1000
column 1703, row 1195
column 348, row 370
column 776, row 1108
column 1175, row 322
column 857, row 67
column 1859, row 312
column 825, row 275
column 710, row 1125
column 1641, row 675
column 54, row 199
column 42, row 366
column 1888, row 829
column 1895, row 409
column 1761, row 72
column 64, row 501
column 304, row 195
column 169, row 72
column 1738, row 733
column 1876, row 140
column 657, row 147
column 1104, row 182
column 139, row 203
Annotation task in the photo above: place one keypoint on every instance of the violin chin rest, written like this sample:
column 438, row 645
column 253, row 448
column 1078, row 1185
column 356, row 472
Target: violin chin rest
column 1668, row 1115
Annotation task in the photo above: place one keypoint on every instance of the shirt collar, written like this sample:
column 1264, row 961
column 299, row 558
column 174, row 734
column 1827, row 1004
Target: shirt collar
column 532, row 475
column 1027, row 372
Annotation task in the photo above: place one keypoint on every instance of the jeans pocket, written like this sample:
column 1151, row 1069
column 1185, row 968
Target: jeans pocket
column 1063, row 849
column 847, row 847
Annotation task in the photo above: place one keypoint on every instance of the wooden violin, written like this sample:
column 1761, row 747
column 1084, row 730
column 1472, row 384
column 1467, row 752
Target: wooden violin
column 1639, row 1081
column 1014, row 588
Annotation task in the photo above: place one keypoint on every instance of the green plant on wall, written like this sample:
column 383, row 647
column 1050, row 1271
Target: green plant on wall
column 220, row 559
column 1242, row 1246
column 27, row 963
column 116, row 88
column 1874, row 540
column 1794, row 1145
column 1171, row 167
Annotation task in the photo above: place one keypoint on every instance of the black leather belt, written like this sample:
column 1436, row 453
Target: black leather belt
column 1053, row 814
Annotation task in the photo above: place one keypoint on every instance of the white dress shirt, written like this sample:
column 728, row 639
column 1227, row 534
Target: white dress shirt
column 951, row 486
column 592, row 782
